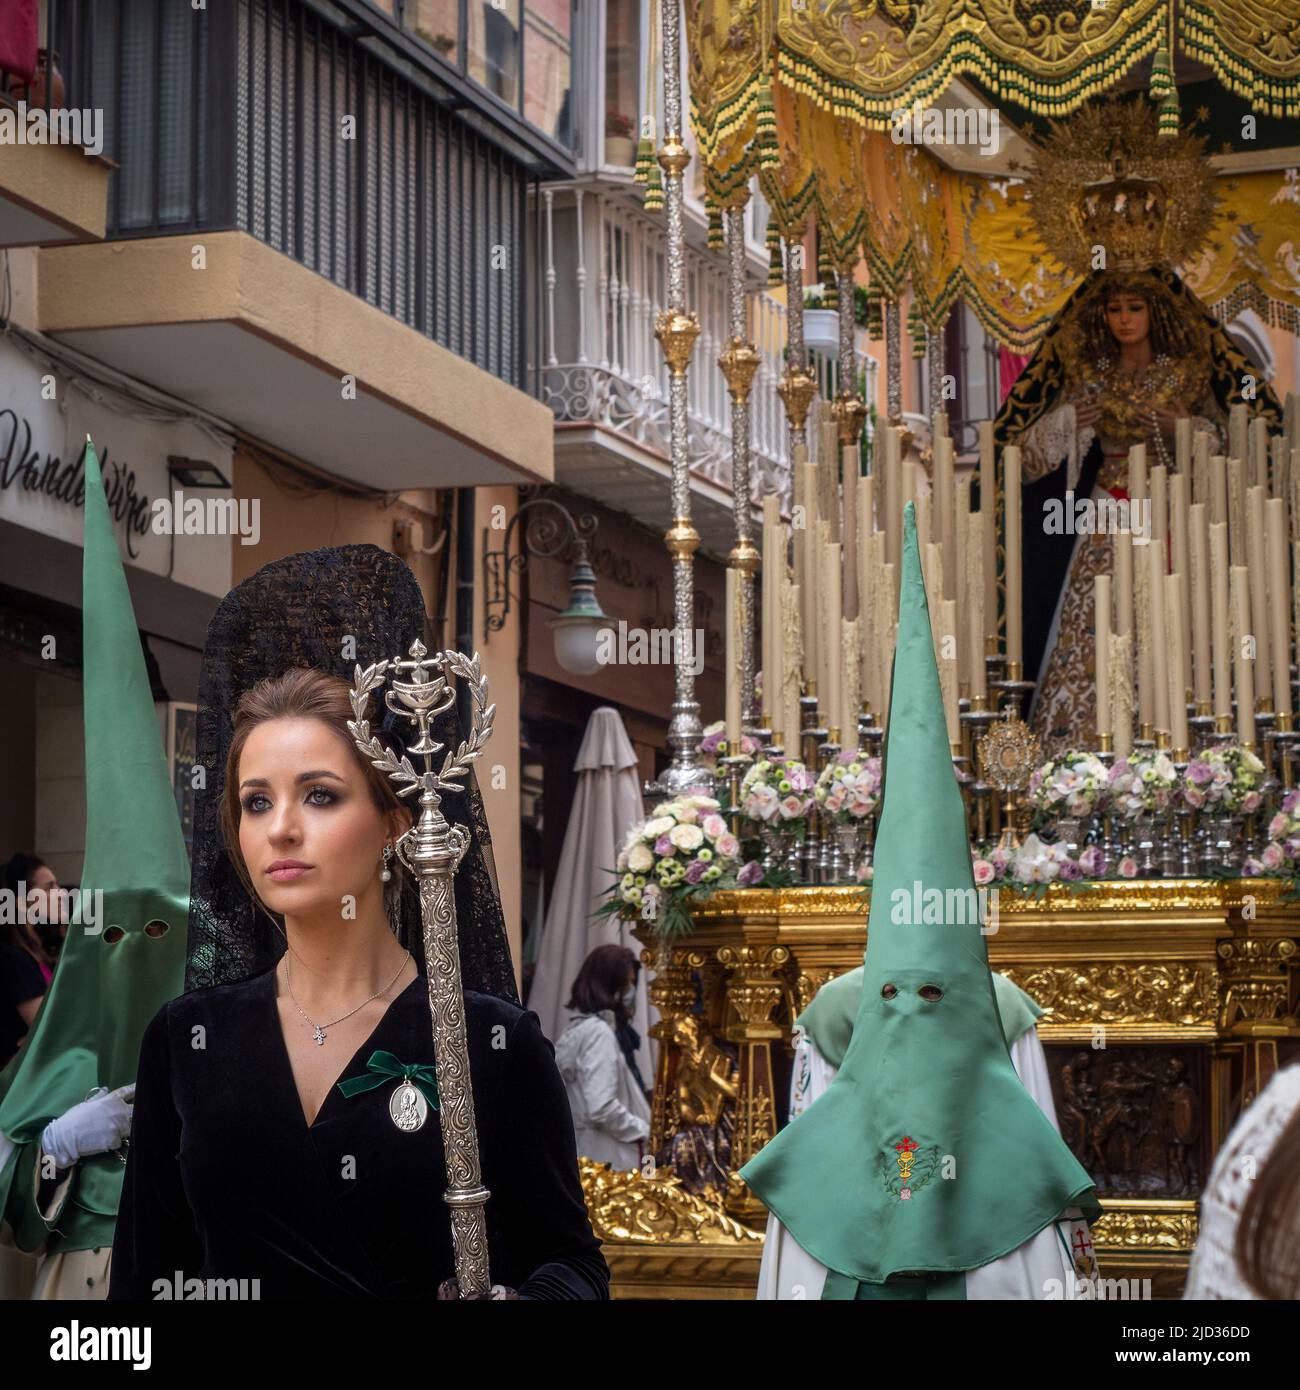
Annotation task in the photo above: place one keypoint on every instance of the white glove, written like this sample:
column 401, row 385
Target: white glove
column 96, row 1126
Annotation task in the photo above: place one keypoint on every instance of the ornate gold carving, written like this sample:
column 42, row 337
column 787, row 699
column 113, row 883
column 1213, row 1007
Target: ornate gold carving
column 1121, row 992
column 810, row 980
column 1107, row 177
column 797, row 390
column 706, row 1076
column 673, row 156
column 745, row 557
column 1255, row 982
column 677, row 331
column 739, row 361
column 682, row 539
column 1128, row 1224
column 1008, row 755
column 753, row 990
column 850, row 413
column 629, row 1207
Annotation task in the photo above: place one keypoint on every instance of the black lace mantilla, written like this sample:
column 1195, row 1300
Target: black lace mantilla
column 300, row 611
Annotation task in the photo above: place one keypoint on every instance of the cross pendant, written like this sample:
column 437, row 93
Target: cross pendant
column 319, row 1036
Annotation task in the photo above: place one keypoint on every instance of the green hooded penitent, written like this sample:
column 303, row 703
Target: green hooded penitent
column 112, row 975
column 926, row 1154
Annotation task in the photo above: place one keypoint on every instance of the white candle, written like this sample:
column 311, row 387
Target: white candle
column 1159, row 641
column 1257, row 568
column 1177, row 641
column 1218, row 490
column 948, row 669
column 835, row 641
column 1200, row 557
column 988, row 533
column 1101, row 605
column 849, row 528
column 1180, row 561
column 1279, row 593
column 1221, row 628
column 1014, row 599
column 732, row 673
column 1243, row 666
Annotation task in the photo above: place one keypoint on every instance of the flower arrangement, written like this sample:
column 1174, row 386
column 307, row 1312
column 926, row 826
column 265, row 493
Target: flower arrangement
column 1224, row 780
column 1037, row 862
column 777, row 792
column 681, row 851
column 1142, row 784
column 848, row 789
column 1282, row 853
column 1070, row 785
column 714, row 745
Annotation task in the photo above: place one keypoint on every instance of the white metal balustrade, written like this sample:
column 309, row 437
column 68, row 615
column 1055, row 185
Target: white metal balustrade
column 604, row 269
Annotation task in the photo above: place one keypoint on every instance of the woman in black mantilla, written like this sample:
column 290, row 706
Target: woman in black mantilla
column 1131, row 351
column 268, row 1143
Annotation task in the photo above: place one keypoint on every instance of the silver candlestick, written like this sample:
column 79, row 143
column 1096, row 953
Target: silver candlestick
column 432, row 849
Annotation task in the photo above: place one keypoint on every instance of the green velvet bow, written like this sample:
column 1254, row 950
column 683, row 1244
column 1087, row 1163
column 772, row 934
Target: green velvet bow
column 383, row 1066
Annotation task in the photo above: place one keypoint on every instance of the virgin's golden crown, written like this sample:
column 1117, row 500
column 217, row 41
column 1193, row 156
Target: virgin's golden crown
column 1106, row 178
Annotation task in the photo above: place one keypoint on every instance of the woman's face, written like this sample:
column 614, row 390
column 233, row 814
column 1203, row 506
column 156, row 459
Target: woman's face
column 1128, row 318
column 41, row 907
column 310, row 833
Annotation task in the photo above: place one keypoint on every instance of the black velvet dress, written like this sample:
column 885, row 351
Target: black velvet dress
column 225, row 1179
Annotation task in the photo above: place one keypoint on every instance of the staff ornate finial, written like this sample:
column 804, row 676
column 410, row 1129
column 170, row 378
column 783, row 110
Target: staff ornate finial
column 432, row 849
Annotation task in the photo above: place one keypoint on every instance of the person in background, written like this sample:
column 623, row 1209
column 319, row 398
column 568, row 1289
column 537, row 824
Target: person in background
column 1249, row 1241
column 25, row 966
column 596, row 1055
column 41, row 934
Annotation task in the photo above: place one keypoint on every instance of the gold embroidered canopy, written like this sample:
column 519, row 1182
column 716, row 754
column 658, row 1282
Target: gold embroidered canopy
column 800, row 92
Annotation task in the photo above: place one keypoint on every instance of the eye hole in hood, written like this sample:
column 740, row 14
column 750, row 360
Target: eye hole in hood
column 932, row 993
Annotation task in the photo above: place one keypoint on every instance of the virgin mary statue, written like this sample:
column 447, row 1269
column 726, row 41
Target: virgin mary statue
column 1131, row 351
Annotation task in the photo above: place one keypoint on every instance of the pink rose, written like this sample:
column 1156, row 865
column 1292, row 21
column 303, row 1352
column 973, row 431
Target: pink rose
column 664, row 846
column 1128, row 867
column 714, row 826
column 1251, row 801
column 727, row 845
column 984, row 872
column 1272, row 856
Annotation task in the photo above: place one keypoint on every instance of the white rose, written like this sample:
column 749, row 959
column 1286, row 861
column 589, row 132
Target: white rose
column 640, row 859
column 687, row 836
column 660, row 825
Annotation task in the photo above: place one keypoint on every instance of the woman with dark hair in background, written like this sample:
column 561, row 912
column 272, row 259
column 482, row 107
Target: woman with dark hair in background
column 26, row 965
column 596, row 1055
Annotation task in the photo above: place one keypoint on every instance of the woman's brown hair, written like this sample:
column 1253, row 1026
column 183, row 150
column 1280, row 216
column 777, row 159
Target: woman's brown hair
column 1268, row 1229
column 297, row 694
column 602, row 979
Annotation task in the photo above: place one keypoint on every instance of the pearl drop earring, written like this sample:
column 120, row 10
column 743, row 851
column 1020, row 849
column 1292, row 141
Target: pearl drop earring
column 387, row 874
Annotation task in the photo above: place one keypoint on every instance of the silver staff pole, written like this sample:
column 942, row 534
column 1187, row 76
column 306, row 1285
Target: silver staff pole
column 432, row 849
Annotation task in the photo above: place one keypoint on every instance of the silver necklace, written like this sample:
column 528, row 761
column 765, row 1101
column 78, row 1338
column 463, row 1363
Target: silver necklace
column 318, row 1029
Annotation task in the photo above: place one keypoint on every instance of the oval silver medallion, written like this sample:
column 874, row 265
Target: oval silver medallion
column 408, row 1108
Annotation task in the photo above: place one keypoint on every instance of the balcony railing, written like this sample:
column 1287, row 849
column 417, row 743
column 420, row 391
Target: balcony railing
column 263, row 116
column 603, row 264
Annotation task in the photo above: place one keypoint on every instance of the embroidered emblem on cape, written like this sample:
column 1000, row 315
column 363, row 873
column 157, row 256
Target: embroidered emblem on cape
column 916, row 1166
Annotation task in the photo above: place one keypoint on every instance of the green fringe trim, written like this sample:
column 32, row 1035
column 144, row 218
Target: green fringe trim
column 654, row 190
column 1170, row 115
column 645, row 159
column 717, row 240
column 1162, row 78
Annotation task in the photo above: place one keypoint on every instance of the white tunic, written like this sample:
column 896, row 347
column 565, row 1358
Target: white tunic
column 1214, row 1272
column 1042, row 1268
column 610, row 1112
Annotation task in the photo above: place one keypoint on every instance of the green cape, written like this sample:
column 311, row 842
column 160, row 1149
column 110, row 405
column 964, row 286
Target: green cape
column 104, row 992
column 926, row 1082
column 829, row 1019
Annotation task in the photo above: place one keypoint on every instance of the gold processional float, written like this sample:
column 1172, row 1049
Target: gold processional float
column 1170, row 997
